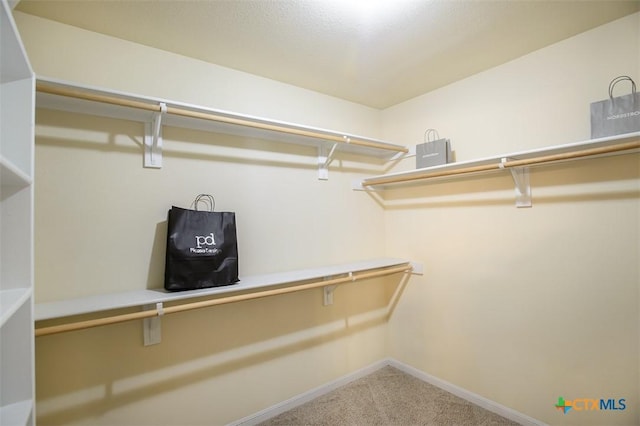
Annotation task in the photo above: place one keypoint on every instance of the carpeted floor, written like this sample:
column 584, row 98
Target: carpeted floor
column 388, row 397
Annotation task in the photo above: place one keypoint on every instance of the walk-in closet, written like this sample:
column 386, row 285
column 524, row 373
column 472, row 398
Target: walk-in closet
column 427, row 227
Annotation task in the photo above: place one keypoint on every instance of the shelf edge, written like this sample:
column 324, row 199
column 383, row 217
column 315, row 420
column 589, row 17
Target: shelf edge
column 12, row 175
column 183, row 111
column 494, row 160
column 16, row 299
column 92, row 304
column 17, row 413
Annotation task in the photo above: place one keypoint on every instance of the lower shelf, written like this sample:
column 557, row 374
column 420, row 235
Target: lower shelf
column 249, row 288
column 18, row 414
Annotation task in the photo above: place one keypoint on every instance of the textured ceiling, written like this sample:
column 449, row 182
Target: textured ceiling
column 373, row 52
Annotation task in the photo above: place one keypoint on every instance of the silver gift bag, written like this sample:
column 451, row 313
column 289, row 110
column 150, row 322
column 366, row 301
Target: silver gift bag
column 615, row 116
column 433, row 152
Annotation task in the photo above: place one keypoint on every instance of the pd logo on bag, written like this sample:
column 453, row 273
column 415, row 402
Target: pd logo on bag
column 204, row 240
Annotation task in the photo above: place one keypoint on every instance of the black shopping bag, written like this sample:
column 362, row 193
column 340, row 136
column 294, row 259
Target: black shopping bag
column 615, row 116
column 202, row 248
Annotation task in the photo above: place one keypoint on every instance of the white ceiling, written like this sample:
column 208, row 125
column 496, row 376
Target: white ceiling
column 373, row 52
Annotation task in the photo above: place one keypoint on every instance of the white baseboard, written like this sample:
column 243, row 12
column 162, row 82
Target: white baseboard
column 474, row 398
column 298, row 400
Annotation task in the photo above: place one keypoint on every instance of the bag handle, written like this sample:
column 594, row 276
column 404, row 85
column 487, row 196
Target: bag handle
column 431, row 132
column 204, row 198
column 618, row 80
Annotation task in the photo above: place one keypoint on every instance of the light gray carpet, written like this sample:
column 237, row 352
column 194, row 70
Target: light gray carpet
column 388, row 397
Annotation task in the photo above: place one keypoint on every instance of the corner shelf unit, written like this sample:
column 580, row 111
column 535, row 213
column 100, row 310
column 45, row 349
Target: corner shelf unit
column 517, row 163
column 155, row 113
column 250, row 287
column 17, row 381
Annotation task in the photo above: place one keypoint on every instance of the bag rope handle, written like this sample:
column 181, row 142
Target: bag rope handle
column 428, row 149
column 618, row 80
column 431, row 132
column 205, row 198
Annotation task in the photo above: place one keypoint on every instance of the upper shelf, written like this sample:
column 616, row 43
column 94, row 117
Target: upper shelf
column 516, row 163
column 614, row 145
column 53, row 94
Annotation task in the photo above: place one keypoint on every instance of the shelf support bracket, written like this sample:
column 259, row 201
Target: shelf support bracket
column 520, row 177
column 151, row 327
column 153, row 139
column 324, row 160
column 402, row 155
column 327, row 292
column 417, row 268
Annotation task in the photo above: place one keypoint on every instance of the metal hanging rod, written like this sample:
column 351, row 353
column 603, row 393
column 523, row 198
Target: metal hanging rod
column 506, row 164
column 162, row 310
column 212, row 116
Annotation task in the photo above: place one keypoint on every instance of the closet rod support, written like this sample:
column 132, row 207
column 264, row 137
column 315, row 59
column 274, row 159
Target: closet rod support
column 417, row 268
column 324, row 159
column 329, row 158
column 402, row 155
column 327, row 293
column 151, row 327
column 153, row 139
column 520, row 177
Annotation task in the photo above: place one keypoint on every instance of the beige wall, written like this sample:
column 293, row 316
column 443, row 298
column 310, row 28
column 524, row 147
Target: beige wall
column 100, row 225
column 519, row 306
column 525, row 305
column 68, row 53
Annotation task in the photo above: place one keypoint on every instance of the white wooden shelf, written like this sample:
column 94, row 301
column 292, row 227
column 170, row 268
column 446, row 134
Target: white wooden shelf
column 12, row 176
column 252, row 287
column 11, row 301
column 517, row 163
column 155, row 112
column 17, row 368
column 11, row 61
column 17, row 414
column 85, row 305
